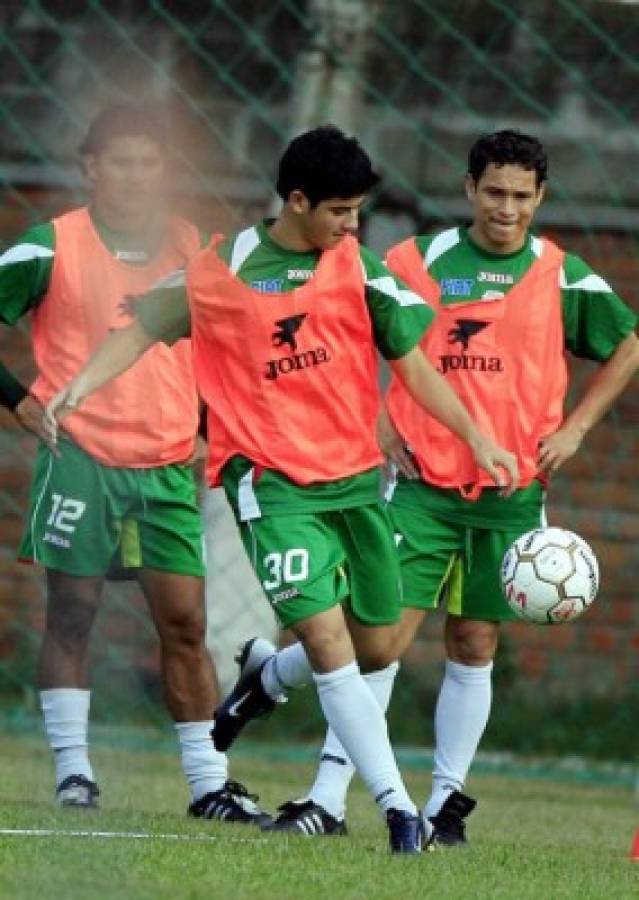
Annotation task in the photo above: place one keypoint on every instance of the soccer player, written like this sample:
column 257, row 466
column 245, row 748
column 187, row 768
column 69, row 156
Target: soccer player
column 509, row 305
column 119, row 481
column 285, row 319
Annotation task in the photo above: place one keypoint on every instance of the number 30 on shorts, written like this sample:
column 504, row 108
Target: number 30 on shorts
column 285, row 568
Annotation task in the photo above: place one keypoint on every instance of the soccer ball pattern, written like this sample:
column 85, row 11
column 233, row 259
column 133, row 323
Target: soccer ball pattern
column 549, row 576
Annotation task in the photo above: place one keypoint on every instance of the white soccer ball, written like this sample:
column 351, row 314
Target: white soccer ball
column 549, row 576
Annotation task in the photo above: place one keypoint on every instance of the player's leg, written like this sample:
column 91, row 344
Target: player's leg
column 376, row 630
column 69, row 532
column 475, row 609
column 335, row 770
column 72, row 602
column 351, row 710
column 422, row 579
column 169, row 548
column 299, row 562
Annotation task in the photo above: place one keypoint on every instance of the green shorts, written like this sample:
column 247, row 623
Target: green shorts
column 453, row 564
column 86, row 518
column 308, row 563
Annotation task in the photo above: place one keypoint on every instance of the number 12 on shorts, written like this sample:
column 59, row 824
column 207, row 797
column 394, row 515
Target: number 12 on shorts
column 65, row 512
column 286, row 568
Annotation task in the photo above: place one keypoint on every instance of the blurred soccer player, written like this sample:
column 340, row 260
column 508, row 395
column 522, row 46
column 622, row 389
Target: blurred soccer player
column 509, row 305
column 285, row 319
column 120, row 483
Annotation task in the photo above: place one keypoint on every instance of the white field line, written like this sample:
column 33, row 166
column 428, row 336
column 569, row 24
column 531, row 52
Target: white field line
column 125, row 835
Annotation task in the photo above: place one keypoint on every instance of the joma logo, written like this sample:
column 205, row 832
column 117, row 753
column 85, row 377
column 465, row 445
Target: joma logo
column 287, row 364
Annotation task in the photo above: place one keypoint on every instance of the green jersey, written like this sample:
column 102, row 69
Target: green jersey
column 595, row 322
column 399, row 318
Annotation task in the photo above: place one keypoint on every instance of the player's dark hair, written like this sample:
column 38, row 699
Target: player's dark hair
column 508, row 147
column 324, row 163
column 124, row 120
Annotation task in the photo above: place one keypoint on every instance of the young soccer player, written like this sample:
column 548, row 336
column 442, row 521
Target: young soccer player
column 119, row 481
column 509, row 305
column 285, row 319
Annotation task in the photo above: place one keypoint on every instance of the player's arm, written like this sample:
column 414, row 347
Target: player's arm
column 393, row 447
column 598, row 326
column 400, row 318
column 608, row 383
column 161, row 315
column 25, row 272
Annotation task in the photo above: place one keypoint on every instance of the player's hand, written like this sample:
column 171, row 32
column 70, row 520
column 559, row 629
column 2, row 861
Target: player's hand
column 64, row 402
column 501, row 465
column 29, row 413
column 394, row 448
column 557, row 448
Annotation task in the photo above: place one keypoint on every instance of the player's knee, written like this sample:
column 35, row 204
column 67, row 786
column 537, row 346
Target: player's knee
column 328, row 649
column 183, row 629
column 70, row 623
column 472, row 643
column 377, row 658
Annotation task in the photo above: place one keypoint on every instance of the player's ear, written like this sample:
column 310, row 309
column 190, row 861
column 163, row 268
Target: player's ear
column 88, row 166
column 541, row 193
column 471, row 187
column 299, row 202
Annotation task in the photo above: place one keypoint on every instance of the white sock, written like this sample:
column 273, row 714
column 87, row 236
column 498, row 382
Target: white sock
column 461, row 715
column 205, row 768
column 288, row 669
column 335, row 769
column 66, row 724
column 353, row 713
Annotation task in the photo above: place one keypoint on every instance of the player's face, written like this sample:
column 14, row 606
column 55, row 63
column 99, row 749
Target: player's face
column 504, row 201
column 128, row 181
column 323, row 226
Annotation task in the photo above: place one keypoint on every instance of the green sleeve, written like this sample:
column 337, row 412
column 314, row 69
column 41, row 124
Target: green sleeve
column 595, row 319
column 25, row 272
column 164, row 312
column 400, row 316
column 11, row 391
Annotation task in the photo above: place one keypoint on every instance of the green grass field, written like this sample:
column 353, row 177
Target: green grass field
column 530, row 838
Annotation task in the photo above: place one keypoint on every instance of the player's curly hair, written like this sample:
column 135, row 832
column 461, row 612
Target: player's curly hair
column 124, row 120
column 508, row 147
column 324, row 163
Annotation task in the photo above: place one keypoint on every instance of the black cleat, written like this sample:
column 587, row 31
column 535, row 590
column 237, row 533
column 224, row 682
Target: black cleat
column 449, row 825
column 308, row 818
column 248, row 699
column 406, row 832
column 232, row 803
column 78, row 792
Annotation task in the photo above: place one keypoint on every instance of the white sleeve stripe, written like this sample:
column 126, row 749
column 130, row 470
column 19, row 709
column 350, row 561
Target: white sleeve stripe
column 172, row 280
column 591, row 283
column 441, row 244
column 537, row 246
column 24, row 253
column 244, row 244
column 387, row 285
